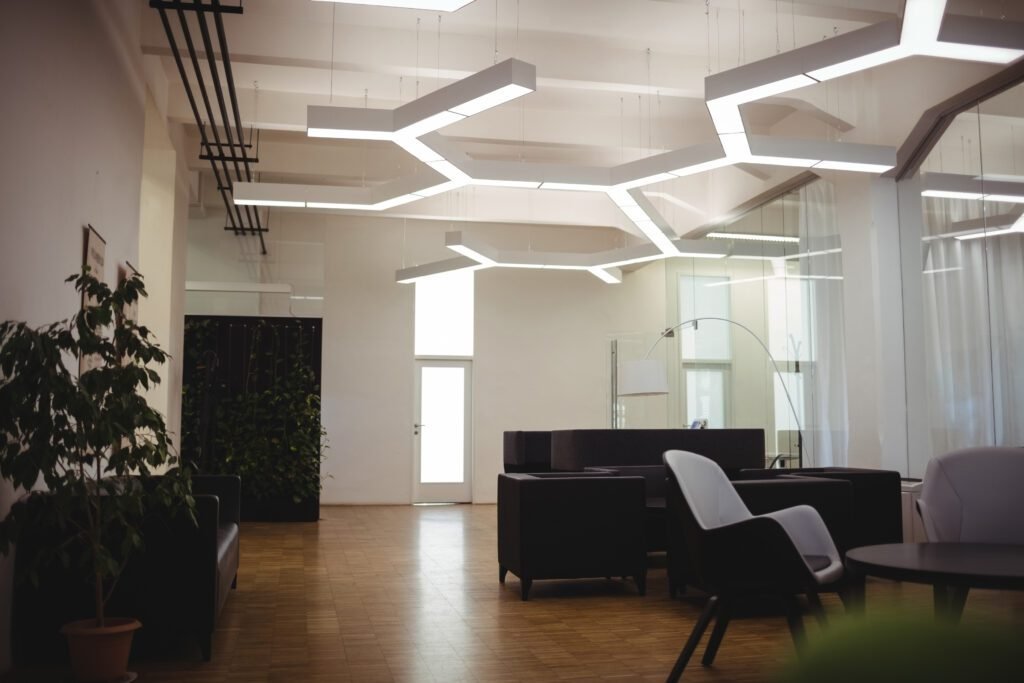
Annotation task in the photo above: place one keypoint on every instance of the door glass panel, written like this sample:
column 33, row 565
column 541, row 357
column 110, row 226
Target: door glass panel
column 705, row 397
column 442, row 434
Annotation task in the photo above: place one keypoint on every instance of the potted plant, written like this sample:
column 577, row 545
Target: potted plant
column 96, row 444
column 255, row 414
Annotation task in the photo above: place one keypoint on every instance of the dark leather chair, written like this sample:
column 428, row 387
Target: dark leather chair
column 527, row 451
column 176, row 586
column 655, row 485
column 567, row 526
column 735, row 554
column 877, row 512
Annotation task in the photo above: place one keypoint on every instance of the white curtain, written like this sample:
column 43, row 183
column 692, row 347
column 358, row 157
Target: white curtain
column 827, row 426
column 974, row 332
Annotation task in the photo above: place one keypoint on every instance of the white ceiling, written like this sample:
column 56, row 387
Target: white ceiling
column 601, row 98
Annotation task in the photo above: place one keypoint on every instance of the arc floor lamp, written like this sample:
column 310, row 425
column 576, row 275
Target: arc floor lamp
column 648, row 376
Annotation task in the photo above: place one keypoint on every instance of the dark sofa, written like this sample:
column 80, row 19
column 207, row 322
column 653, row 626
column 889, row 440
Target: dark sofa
column 570, row 525
column 876, row 501
column 176, row 586
column 733, row 449
column 527, row 451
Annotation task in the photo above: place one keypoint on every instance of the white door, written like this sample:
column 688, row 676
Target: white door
column 442, row 431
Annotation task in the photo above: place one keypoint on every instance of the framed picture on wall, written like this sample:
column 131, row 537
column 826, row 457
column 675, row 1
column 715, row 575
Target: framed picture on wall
column 95, row 252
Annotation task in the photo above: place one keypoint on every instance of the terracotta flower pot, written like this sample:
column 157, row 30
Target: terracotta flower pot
column 100, row 653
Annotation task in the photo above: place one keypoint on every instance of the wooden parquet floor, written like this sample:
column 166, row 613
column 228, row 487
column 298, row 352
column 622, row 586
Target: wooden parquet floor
column 410, row 593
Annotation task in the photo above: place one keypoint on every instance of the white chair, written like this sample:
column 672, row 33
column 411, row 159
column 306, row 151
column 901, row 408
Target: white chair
column 734, row 554
column 974, row 496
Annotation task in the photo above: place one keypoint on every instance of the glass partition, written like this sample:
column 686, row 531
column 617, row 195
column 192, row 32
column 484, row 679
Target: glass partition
column 971, row 275
column 759, row 339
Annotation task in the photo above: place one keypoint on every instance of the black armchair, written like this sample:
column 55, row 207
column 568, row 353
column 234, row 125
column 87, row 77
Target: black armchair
column 734, row 554
column 570, row 525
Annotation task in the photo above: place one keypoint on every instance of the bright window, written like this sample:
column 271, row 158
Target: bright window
column 705, row 396
column 704, row 296
column 444, row 315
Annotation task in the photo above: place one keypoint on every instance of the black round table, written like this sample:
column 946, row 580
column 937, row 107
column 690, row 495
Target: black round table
column 952, row 568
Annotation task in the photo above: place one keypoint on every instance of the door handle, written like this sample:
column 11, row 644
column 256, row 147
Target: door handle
column 416, row 428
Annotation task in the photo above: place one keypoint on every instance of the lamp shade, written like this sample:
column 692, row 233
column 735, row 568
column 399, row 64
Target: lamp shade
column 643, row 378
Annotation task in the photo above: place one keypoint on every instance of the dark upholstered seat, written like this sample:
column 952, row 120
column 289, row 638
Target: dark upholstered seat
column 567, row 526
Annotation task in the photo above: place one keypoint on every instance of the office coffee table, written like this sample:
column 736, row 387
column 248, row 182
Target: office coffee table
column 951, row 568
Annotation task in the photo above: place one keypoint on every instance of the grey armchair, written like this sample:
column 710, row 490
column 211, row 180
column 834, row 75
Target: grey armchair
column 973, row 496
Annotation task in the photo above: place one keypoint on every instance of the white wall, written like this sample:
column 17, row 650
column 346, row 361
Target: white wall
column 163, row 218
column 541, row 357
column 72, row 135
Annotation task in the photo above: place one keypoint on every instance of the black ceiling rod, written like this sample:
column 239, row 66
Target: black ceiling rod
column 224, row 186
column 177, row 4
column 215, row 79
column 195, row 113
column 229, row 78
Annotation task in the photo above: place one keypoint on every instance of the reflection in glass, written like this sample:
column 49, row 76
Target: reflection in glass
column 971, row 279
column 792, row 302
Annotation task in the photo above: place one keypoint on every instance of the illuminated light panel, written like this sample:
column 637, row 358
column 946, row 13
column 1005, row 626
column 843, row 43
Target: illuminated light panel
column 852, row 166
column 951, row 194
column 1017, row 227
column 780, row 161
column 576, row 187
column 1008, row 198
column 768, row 89
column 695, row 254
column 632, row 261
column 336, row 205
column 418, row 149
column 651, row 230
column 526, row 184
column 921, row 22
column 395, row 201
column 440, row 187
column 862, row 63
column 807, row 254
column 649, row 180
column 449, row 170
column 753, row 237
column 473, row 254
column 970, row 53
column 605, row 276
column 430, row 124
column 705, row 166
column 726, row 116
column 735, row 145
column 349, row 134
column 634, row 212
column 269, row 202
column 491, row 99
column 431, row 5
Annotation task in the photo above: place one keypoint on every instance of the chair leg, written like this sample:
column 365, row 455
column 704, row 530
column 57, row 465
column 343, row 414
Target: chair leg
column 524, row 588
column 234, row 582
column 721, row 623
column 693, row 640
column 817, row 608
column 795, row 621
column 502, row 571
